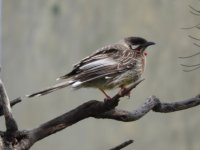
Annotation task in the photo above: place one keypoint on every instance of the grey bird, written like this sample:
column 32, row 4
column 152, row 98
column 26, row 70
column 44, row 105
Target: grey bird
column 113, row 66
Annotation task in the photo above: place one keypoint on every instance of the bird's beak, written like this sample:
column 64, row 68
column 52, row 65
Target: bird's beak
column 148, row 44
column 145, row 45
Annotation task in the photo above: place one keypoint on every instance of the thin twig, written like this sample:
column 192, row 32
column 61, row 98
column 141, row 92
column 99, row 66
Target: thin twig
column 190, row 56
column 192, row 27
column 189, row 70
column 194, row 38
column 196, row 44
column 190, row 65
column 198, row 11
column 124, row 144
column 194, row 13
column 15, row 101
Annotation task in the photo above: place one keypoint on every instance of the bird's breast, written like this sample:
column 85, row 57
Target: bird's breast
column 143, row 62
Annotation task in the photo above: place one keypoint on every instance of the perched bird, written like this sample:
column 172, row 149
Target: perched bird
column 112, row 66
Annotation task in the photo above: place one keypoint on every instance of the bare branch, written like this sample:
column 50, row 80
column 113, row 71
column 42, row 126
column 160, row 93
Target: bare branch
column 176, row 106
column 100, row 110
column 194, row 67
column 194, row 38
column 89, row 109
column 152, row 103
column 190, row 56
column 15, row 101
column 189, row 70
column 192, row 27
column 12, row 103
column 197, row 11
column 106, row 110
column 196, row 44
column 127, row 116
column 124, row 144
column 190, row 65
column 11, row 124
column 194, row 13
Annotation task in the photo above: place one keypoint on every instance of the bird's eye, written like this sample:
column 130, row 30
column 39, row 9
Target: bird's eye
column 135, row 46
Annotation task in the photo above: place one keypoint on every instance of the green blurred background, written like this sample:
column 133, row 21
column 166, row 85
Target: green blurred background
column 42, row 39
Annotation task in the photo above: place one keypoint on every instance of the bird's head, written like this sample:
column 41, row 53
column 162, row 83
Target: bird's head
column 137, row 43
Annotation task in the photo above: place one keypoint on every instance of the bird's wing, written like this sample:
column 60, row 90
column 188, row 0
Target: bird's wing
column 100, row 54
column 106, row 62
column 97, row 55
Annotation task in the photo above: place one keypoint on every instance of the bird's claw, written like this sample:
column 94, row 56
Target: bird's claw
column 122, row 91
column 108, row 98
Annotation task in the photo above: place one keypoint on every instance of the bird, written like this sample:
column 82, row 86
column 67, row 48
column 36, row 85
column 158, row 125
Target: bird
column 113, row 66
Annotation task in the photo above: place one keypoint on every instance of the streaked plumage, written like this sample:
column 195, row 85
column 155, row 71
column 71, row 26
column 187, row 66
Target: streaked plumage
column 115, row 65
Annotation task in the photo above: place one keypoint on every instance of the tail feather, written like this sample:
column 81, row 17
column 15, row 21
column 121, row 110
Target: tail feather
column 50, row 89
column 66, row 76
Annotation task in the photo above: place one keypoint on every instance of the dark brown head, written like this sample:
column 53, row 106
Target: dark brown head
column 137, row 43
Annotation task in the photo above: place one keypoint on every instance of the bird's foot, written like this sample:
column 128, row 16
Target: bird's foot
column 123, row 90
column 108, row 98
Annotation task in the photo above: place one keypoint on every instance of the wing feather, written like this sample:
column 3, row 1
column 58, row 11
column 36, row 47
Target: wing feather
column 102, row 53
column 108, row 61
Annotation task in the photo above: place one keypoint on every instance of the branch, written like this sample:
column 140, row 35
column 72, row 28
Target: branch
column 95, row 109
column 191, row 27
column 189, row 66
column 196, row 44
column 189, row 70
column 152, row 103
column 194, row 38
column 100, row 110
column 12, row 103
column 11, row 125
column 194, row 9
column 190, row 56
column 91, row 108
column 124, row 144
column 106, row 110
column 196, row 14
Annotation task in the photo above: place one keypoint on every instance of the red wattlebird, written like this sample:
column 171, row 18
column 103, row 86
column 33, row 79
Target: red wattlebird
column 112, row 66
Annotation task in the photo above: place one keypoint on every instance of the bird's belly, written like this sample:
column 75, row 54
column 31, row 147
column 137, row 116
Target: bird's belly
column 120, row 79
column 127, row 78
